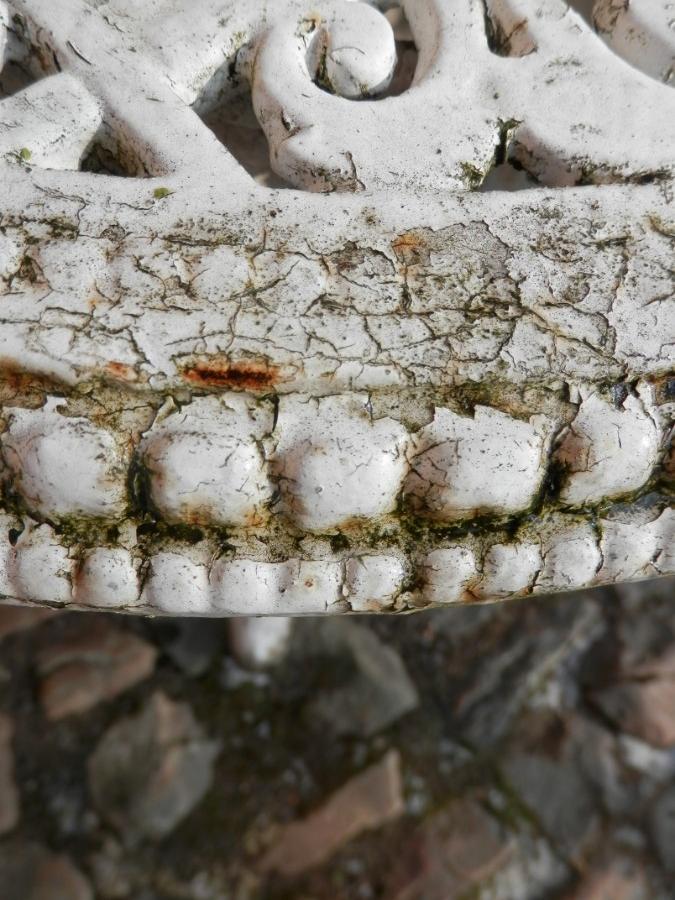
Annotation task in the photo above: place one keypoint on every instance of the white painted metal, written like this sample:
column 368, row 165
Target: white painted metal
column 372, row 387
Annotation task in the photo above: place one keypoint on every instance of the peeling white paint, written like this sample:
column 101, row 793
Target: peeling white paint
column 63, row 465
column 40, row 568
column 636, row 543
column 509, row 570
column 352, row 48
column 7, row 526
column 317, row 384
column 448, row 574
column 335, row 463
column 463, row 466
column 107, row 579
column 571, row 557
column 295, row 587
column 206, row 464
column 328, row 144
column 607, row 451
column 177, row 586
column 373, row 582
column 642, row 33
column 52, row 126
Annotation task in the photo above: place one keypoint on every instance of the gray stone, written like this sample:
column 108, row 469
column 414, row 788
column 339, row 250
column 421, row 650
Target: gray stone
column 643, row 703
column 634, row 595
column 618, row 879
column 150, row 770
column 31, row 872
column 92, row 663
column 14, row 619
column 535, row 643
column 367, row 801
column 450, row 853
column 9, row 793
column 469, row 848
column 195, row 646
column 599, row 755
column 379, row 692
column 558, row 795
column 113, row 871
column 663, row 828
column 544, row 770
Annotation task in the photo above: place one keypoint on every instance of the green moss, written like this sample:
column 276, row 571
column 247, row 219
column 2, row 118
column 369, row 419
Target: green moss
column 472, row 175
column 153, row 531
column 339, row 542
column 161, row 193
column 25, row 154
column 667, row 229
column 60, row 227
column 322, row 78
column 76, row 532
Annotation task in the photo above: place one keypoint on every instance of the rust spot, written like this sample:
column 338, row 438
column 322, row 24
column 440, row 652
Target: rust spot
column 204, row 517
column 16, row 383
column 664, row 388
column 245, row 375
column 16, row 379
column 121, row 371
column 410, row 247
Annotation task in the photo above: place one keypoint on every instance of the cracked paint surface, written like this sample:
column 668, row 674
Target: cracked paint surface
column 218, row 398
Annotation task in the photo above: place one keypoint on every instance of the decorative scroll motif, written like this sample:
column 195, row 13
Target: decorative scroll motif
column 384, row 391
column 556, row 102
column 521, row 78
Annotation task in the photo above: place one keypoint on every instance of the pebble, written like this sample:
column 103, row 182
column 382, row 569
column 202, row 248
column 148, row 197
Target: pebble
column 643, row 702
column 260, row 642
column 379, row 693
column 31, row 872
column 112, row 871
column 450, row 853
column 617, row 880
column 367, row 801
column 94, row 663
column 14, row 619
column 195, row 645
column 150, row 770
column 663, row 828
column 9, row 793
column 543, row 767
column 538, row 738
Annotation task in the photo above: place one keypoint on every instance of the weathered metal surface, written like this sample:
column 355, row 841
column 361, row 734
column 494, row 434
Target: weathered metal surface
column 381, row 390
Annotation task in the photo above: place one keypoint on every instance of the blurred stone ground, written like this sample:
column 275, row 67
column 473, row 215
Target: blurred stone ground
column 504, row 752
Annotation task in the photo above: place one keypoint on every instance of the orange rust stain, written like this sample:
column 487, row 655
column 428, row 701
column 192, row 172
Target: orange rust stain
column 195, row 517
column 204, row 516
column 121, row 371
column 410, row 242
column 251, row 376
column 18, row 380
